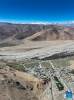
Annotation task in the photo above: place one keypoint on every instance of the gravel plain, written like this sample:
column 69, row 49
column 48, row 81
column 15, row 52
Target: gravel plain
column 39, row 49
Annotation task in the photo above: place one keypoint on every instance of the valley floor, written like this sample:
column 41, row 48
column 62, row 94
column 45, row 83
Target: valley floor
column 30, row 49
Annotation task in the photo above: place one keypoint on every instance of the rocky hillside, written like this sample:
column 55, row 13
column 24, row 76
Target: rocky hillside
column 16, row 85
column 53, row 33
column 20, row 31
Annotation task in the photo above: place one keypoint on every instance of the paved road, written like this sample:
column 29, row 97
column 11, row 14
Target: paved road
column 51, row 88
column 61, row 79
column 44, row 94
column 46, row 91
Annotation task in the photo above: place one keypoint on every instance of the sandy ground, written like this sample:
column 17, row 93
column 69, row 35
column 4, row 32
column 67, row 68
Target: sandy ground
column 72, row 64
column 39, row 48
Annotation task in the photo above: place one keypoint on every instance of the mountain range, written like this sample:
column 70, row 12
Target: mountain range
column 18, row 33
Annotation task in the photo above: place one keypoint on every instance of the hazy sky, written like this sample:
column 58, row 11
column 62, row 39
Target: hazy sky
column 27, row 11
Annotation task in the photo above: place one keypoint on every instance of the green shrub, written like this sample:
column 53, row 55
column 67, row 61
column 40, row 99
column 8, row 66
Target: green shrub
column 60, row 86
column 56, row 78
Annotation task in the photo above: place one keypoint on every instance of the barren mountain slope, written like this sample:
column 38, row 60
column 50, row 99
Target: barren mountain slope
column 54, row 33
column 20, row 31
column 15, row 85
